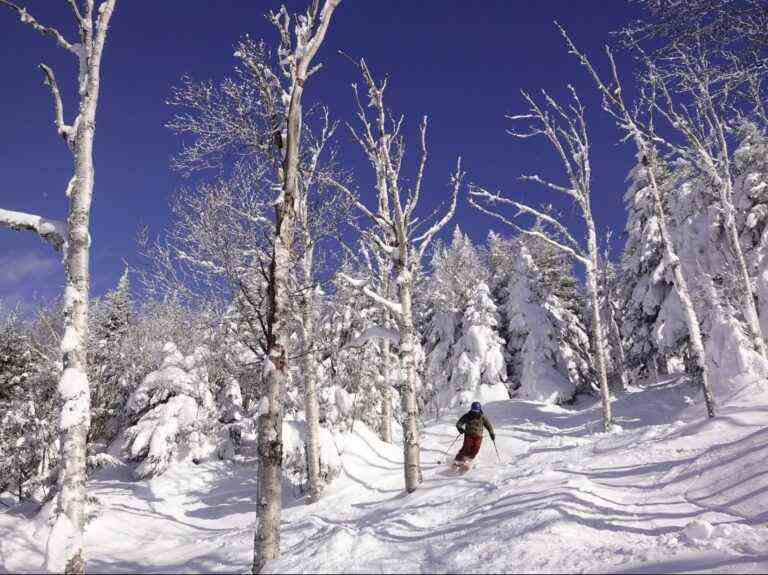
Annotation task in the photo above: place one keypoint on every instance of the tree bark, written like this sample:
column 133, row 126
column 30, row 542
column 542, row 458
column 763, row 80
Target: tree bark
column 746, row 292
column 309, row 375
column 614, row 335
column 269, row 505
column 386, row 393
column 597, row 331
column 407, row 357
column 73, row 388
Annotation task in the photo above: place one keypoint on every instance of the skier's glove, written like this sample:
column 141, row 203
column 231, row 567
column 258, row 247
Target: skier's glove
column 493, row 437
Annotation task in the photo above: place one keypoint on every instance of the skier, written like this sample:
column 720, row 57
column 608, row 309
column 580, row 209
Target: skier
column 471, row 426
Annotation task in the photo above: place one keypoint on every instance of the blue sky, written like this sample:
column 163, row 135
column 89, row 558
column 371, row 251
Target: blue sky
column 462, row 62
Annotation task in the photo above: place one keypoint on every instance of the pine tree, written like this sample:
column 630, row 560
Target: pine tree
column 458, row 272
column 751, row 200
column 479, row 352
column 109, row 359
column 643, row 290
column 547, row 342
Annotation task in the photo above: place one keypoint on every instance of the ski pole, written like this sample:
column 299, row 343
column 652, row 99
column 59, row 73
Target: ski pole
column 497, row 449
column 451, row 445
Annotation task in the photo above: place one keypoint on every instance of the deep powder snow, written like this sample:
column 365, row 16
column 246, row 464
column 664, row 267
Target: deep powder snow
column 667, row 492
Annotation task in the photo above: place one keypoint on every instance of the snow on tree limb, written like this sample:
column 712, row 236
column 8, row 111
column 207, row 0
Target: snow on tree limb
column 353, row 197
column 50, row 231
column 372, row 333
column 478, row 192
column 27, row 18
column 413, row 201
column 533, row 233
column 76, row 11
column 363, row 286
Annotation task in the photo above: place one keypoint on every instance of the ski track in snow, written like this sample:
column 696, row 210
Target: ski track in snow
column 565, row 498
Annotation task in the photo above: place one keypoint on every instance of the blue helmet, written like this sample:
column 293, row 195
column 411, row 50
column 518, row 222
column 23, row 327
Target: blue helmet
column 476, row 407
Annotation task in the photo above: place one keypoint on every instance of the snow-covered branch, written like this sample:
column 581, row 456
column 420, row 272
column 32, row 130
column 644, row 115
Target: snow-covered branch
column 478, row 192
column 65, row 131
column 76, row 11
column 413, row 201
column 533, row 233
column 373, row 333
column 51, row 231
column 27, row 18
column 334, row 182
column 424, row 240
column 363, row 286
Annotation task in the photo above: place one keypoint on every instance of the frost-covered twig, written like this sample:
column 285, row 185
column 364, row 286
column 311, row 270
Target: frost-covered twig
column 478, row 192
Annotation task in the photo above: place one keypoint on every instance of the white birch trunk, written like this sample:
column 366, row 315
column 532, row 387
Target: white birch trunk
column 270, row 449
column 309, row 375
column 614, row 335
column 385, row 431
column 65, row 548
column 746, row 292
column 386, row 392
column 597, row 326
column 681, row 286
column 407, row 357
column 397, row 238
column 269, row 504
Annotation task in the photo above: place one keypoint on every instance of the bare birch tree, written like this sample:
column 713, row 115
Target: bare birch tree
column 297, row 50
column 396, row 231
column 65, row 545
column 319, row 218
column 695, row 100
column 643, row 135
column 566, row 131
column 245, row 120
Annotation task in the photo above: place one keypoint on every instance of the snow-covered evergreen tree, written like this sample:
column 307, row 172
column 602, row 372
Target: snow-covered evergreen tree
column 751, row 201
column 169, row 409
column 480, row 370
column 644, row 286
column 28, row 435
column 547, row 342
column 457, row 272
column 109, row 358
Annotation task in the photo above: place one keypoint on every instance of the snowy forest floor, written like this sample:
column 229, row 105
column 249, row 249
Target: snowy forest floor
column 668, row 492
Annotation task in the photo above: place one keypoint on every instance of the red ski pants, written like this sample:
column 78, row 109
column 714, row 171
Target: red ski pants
column 469, row 448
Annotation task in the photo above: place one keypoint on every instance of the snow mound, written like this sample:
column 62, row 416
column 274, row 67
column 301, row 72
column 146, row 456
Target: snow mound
column 698, row 531
column 735, row 368
column 295, row 456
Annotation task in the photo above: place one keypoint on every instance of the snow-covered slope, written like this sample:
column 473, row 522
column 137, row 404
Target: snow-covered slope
column 668, row 492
